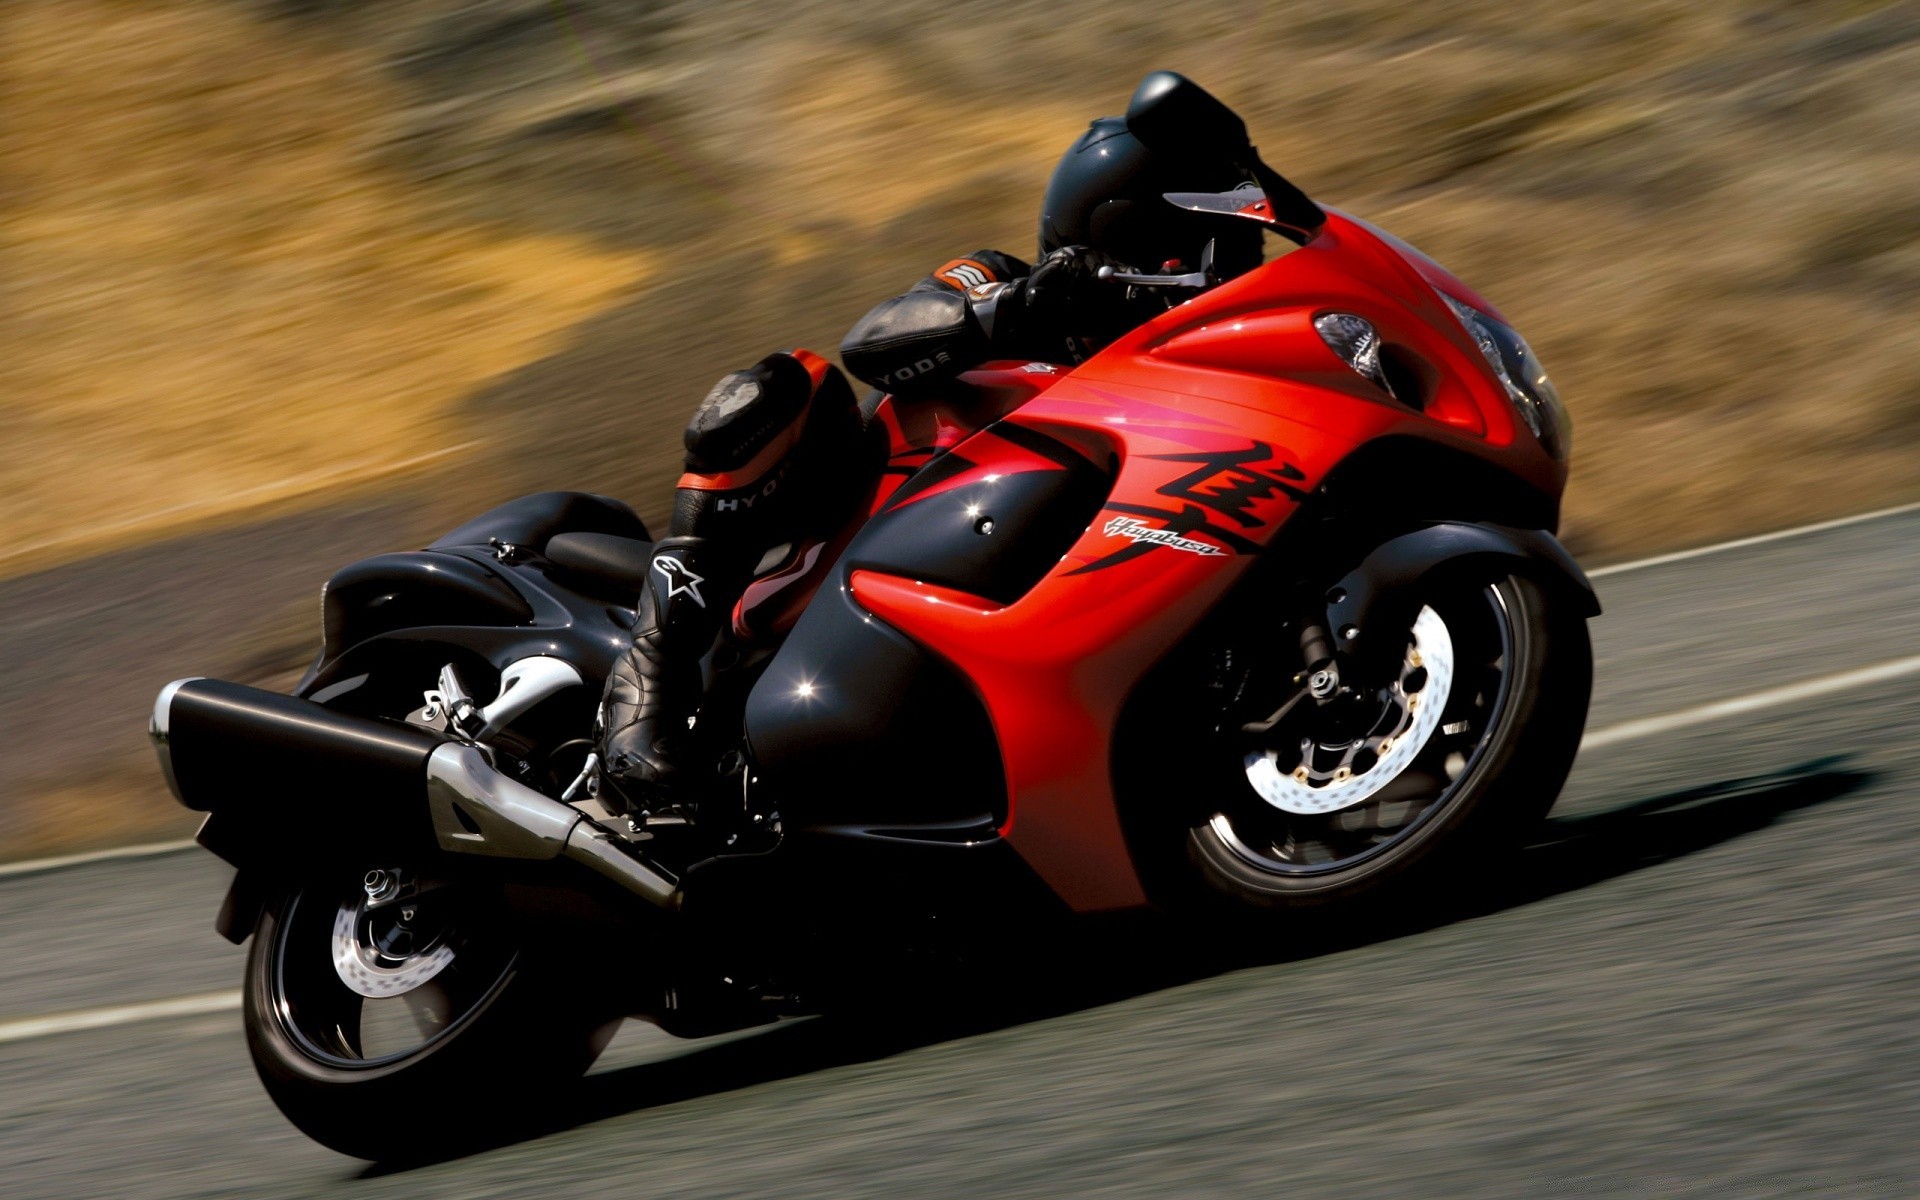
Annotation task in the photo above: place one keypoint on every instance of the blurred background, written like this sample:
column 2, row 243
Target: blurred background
column 289, row 283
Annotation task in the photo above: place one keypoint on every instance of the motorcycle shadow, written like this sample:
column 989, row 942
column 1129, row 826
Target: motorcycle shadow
column 1109, row 960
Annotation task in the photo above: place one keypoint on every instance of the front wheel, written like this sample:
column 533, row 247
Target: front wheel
column 391, row 1016
column 1407, row 778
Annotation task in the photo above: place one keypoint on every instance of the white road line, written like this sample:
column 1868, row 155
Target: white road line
column 123, row 1014
column 1756, row 540
column 1754, row 702
column 145, row 850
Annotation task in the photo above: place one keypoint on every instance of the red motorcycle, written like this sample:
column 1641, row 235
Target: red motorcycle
column 1256, row 611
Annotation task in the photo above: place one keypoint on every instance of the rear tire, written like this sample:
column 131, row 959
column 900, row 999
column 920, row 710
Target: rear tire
column 1237, row 844
column 514, row 1035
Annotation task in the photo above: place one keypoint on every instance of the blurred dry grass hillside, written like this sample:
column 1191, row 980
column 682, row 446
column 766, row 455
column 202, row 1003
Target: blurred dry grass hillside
column 262, row 255
column 215, row 297
column 257, row 248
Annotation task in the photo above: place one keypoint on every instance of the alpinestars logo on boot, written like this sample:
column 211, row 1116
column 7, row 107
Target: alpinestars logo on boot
column 680, row 581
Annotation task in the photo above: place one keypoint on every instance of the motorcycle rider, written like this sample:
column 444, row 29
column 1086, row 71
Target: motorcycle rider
column 772, row 451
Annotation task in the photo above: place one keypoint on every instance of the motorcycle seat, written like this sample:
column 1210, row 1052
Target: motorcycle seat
column 531, row 520
column 605, row 557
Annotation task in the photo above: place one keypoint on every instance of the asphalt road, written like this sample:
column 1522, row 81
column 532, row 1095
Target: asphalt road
column 1704, row 980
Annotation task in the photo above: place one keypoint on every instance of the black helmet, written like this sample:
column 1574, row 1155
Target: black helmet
column 1108, row 192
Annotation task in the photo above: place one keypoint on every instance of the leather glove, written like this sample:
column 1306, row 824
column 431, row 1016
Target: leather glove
column 1067, row 283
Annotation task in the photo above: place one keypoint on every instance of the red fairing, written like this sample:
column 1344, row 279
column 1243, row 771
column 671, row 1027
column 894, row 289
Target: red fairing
column 1221, row 416
column 928, row 426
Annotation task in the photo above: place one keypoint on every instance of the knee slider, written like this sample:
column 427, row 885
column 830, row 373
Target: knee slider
column 746, row 413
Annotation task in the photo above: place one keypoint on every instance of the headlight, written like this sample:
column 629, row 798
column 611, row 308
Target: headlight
column 1533, row 394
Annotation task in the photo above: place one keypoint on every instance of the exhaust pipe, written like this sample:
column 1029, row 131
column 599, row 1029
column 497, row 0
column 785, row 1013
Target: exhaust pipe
column 477, row 810
column 225, row 747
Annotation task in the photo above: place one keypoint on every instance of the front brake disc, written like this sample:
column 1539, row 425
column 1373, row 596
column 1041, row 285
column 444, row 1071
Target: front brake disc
column 1308, row 789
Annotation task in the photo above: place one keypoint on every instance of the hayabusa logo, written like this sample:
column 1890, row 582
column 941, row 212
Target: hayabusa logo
column 1223, row 483
column 1141, row 533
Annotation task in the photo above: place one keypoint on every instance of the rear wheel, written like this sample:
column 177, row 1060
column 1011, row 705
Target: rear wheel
column 398, row 1017
column 1416, row 775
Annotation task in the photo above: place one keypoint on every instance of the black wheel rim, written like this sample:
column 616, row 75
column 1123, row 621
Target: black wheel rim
column 1480, row 625
column 338, row 1026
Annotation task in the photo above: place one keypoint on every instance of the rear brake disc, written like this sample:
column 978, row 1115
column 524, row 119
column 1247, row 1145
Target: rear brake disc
column 364, row 967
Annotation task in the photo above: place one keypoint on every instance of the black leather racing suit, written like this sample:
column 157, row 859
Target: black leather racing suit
column 772, row 456
column 988, row 305
column 767, row 444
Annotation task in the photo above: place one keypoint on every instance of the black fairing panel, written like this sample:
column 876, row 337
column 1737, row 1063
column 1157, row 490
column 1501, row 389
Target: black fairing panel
column 397, row 614
column 990, row 539
column 391, row 613
column 392, row 591
column 855, row 730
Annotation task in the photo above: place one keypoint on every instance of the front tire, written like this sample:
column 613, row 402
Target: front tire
column 1286, row 838
column 384, row 1045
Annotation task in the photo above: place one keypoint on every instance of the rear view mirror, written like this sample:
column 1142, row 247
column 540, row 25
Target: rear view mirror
column 1171, row 113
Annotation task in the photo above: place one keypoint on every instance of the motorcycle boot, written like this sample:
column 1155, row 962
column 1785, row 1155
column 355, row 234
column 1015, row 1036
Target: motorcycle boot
column 764, row 467
column 654, row 689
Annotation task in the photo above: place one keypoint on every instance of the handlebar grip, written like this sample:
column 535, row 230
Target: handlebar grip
column 1192, row 279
